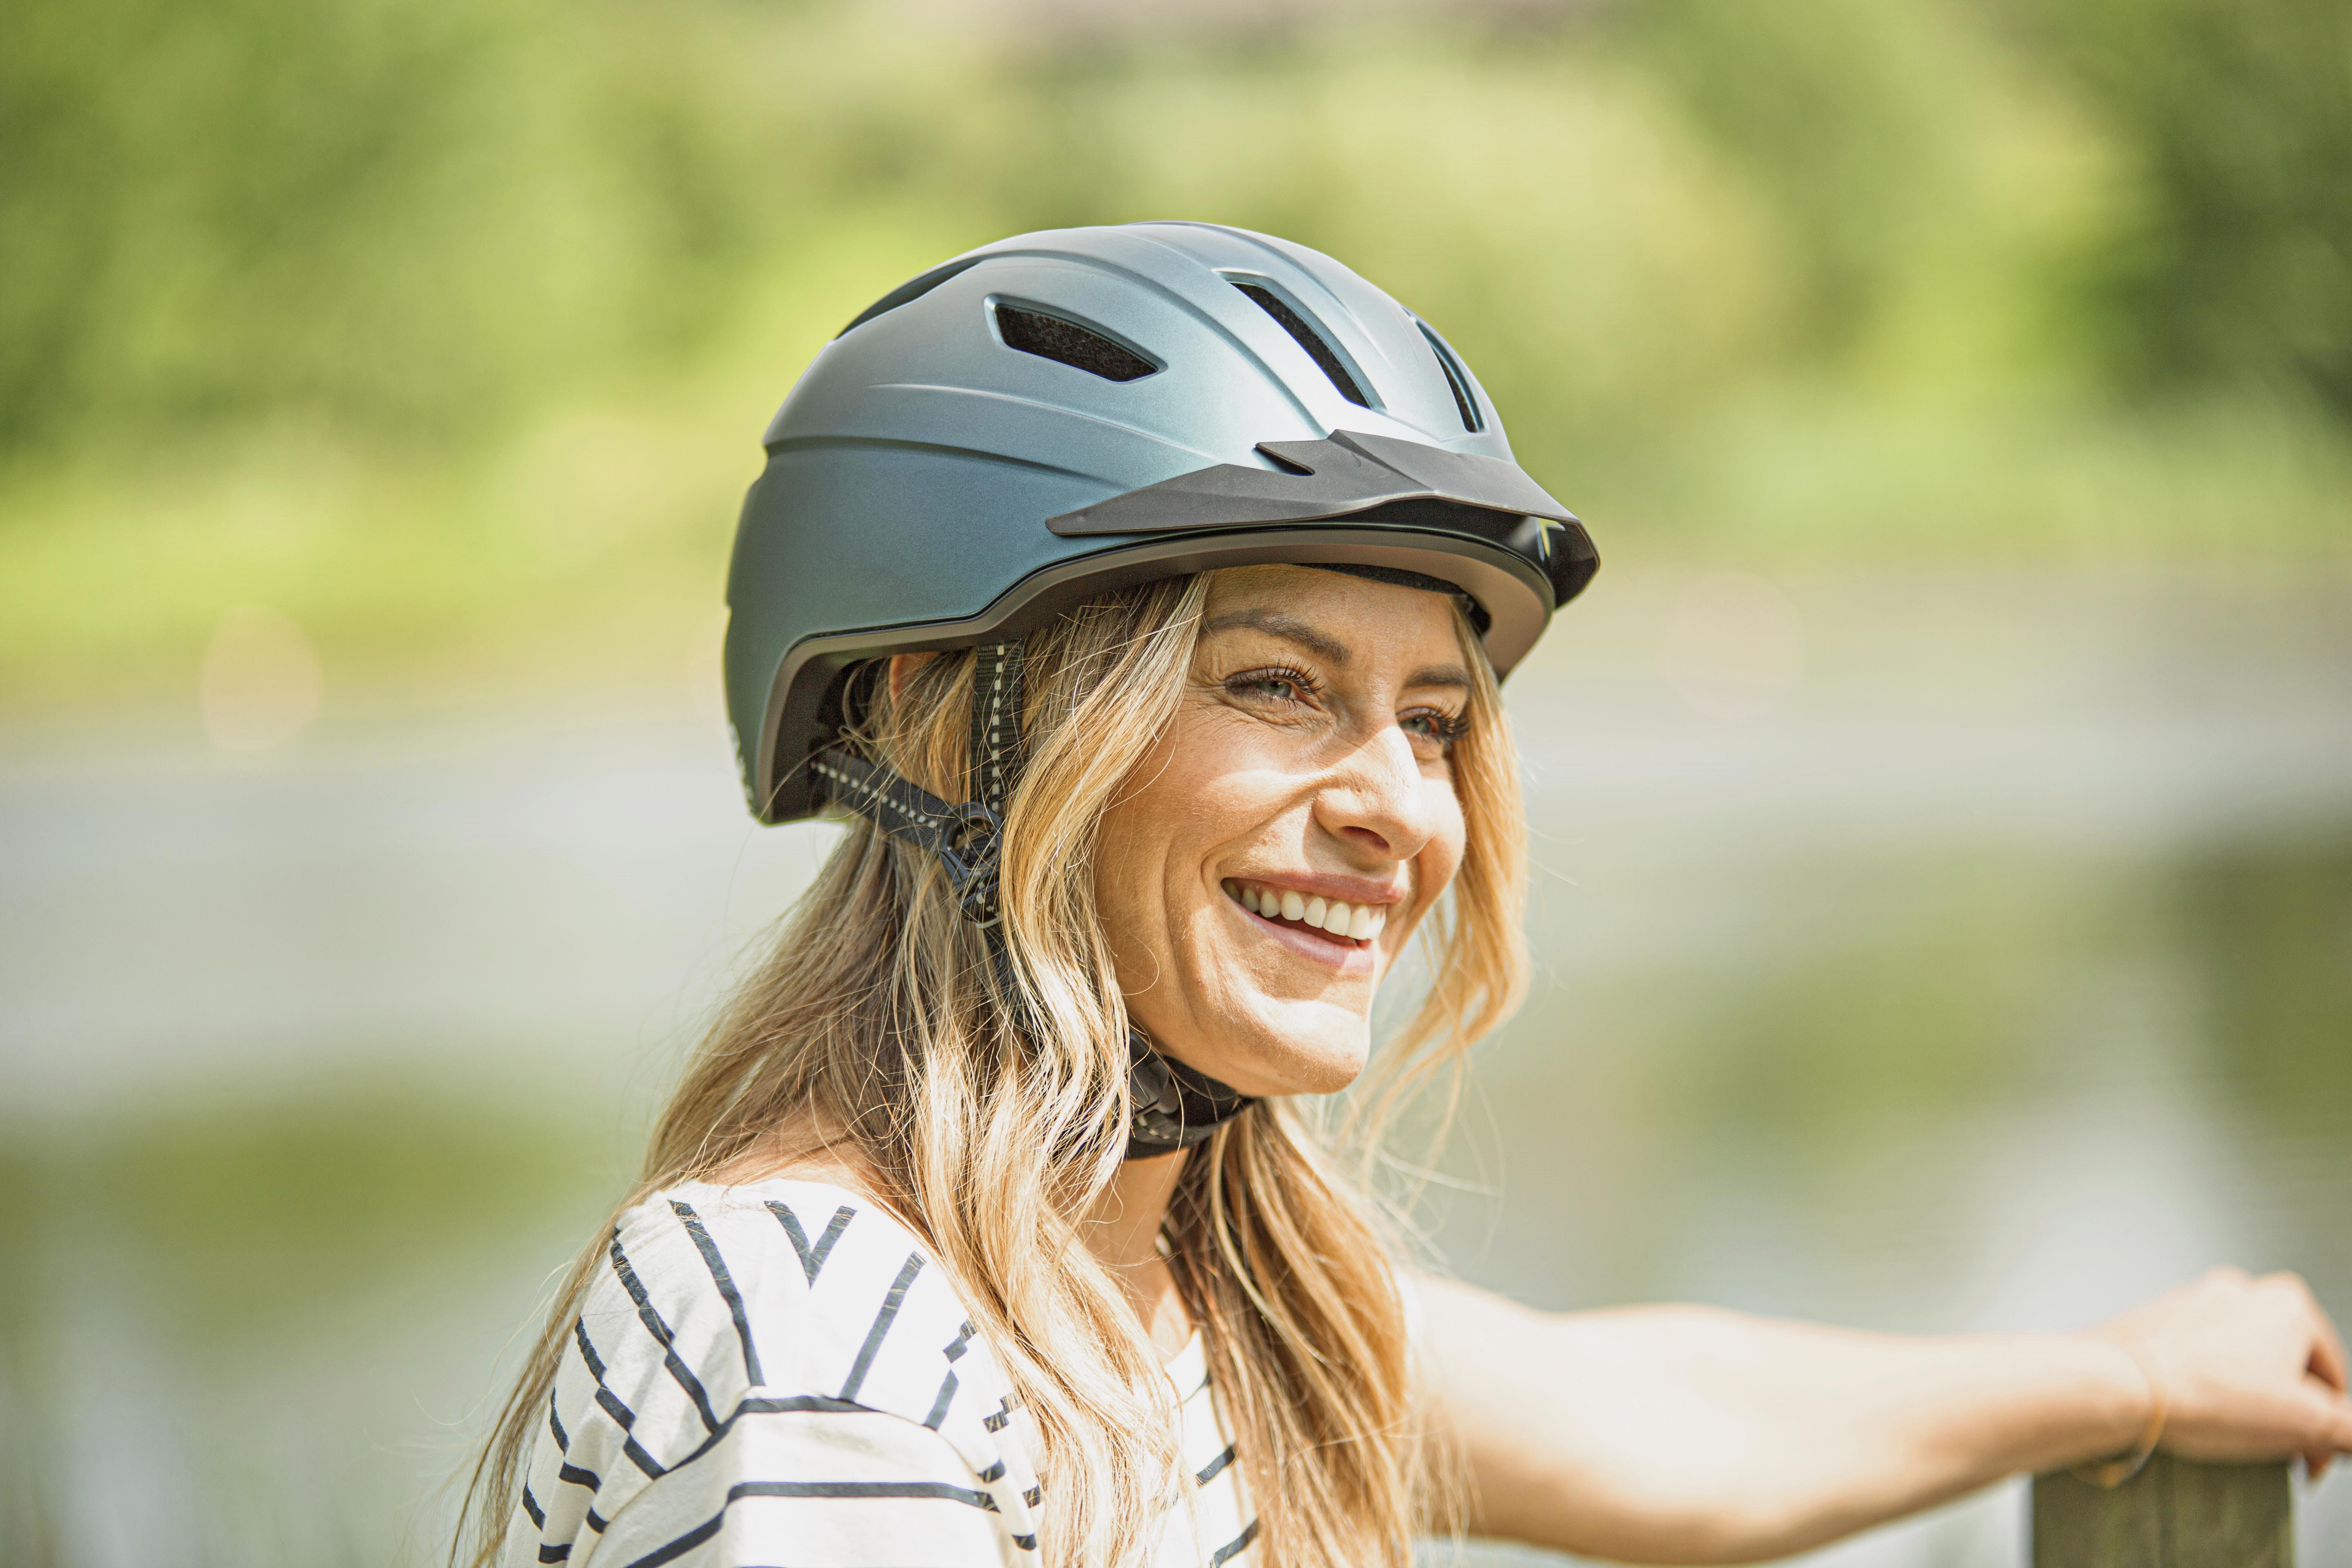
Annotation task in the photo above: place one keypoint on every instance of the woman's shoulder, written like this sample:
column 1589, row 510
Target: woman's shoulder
column 796, row 1287
column 781, row 1359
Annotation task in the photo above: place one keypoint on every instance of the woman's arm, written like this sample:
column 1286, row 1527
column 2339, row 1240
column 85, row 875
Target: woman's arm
column 1693, row 1435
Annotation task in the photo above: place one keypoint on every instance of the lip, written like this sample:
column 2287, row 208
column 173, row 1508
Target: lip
column 1345, row 958
column 1356, row 890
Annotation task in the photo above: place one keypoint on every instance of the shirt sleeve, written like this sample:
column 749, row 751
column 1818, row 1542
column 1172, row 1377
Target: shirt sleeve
column 814, row 1482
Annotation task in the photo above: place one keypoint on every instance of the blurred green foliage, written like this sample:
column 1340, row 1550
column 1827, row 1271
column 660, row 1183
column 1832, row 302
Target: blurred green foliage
column 2238, row 263
column 399, row 217
column 446, row 327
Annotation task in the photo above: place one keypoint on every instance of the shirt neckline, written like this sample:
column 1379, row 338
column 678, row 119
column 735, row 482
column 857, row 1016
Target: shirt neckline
column 1188, row 1367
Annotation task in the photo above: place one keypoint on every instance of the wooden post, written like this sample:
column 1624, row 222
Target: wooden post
column 2170, row 1515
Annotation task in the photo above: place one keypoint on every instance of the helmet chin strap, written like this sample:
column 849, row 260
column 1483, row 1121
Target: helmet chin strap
column 1170, row 1105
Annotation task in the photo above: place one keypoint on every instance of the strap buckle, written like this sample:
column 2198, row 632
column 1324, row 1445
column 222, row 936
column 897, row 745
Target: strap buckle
column 966, row 840
column 971, row 851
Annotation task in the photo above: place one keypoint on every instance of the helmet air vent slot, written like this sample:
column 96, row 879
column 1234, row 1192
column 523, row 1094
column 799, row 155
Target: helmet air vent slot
column 909, row 291
column 1465, row 403
column 1081, row 348
column 1319, row 347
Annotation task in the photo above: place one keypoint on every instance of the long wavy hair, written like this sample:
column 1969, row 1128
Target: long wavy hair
column 878, row 1029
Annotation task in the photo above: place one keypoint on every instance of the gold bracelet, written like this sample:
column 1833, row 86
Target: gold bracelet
column 2113, row 1473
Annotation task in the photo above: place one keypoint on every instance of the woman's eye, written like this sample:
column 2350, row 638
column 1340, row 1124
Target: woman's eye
column 1271, row 686
column 1440, row 728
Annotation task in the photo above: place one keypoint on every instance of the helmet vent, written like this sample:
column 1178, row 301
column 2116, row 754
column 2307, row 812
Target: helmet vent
column 1051, row 337
column 909, row 291
column 1317, row 347
column 1465, row 404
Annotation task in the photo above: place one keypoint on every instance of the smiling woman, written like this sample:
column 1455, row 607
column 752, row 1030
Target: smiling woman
column 989, row 1223
column 1301, row 813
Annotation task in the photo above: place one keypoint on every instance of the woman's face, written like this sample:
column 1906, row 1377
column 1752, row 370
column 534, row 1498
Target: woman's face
column 1307, row 768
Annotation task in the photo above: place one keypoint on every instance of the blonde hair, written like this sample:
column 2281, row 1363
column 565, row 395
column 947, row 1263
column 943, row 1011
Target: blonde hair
column 877, row 1022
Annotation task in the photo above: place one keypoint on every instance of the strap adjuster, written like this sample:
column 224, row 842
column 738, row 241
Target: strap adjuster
column 972, row 860
column 967, row 840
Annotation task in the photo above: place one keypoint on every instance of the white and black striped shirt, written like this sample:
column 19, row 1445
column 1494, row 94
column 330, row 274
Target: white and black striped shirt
column 777, row 1373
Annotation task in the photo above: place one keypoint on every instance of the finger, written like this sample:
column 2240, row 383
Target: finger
column 2334, row 1425
column 2317, row 1421
column 2329, row 1343
column 2326, row 1362
column 2327, row 1355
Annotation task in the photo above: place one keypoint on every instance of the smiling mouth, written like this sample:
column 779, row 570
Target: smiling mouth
column 1357, row 925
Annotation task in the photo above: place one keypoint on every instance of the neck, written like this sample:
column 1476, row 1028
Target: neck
column 1122, row 1231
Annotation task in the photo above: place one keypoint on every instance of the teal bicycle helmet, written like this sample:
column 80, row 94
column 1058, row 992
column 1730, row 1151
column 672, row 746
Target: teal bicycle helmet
column 1058, row 413
column 1062, row 413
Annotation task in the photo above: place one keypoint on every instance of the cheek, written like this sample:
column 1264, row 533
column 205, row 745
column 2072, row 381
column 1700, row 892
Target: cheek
column 1157, row 835
column 1202, row 787
column 1440, row 860
column 1125, row 871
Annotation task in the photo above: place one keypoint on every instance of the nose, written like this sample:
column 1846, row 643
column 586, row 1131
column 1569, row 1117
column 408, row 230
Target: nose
column 1378, row 801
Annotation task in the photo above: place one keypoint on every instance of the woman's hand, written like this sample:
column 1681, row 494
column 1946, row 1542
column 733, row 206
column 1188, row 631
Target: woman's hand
column 2249, row 1369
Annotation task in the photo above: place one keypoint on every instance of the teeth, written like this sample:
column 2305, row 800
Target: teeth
column 1353, row 922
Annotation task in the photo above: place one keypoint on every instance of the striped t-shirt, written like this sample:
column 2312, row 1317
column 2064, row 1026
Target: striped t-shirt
column 777, row 1373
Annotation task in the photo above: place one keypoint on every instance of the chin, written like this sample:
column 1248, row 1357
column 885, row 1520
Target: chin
column 1301, row 1050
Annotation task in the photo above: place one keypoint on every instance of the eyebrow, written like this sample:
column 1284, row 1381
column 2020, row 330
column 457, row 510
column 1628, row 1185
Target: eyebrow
column 1286, row 627
column 1290, row 629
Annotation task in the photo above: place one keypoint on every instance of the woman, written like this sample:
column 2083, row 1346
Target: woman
column 1143, row 591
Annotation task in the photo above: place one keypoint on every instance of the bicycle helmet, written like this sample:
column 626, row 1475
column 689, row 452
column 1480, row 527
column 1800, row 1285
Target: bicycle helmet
column 1061, row 412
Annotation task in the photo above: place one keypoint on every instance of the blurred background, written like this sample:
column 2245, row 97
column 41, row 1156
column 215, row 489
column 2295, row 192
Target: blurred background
column 1943, row 800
